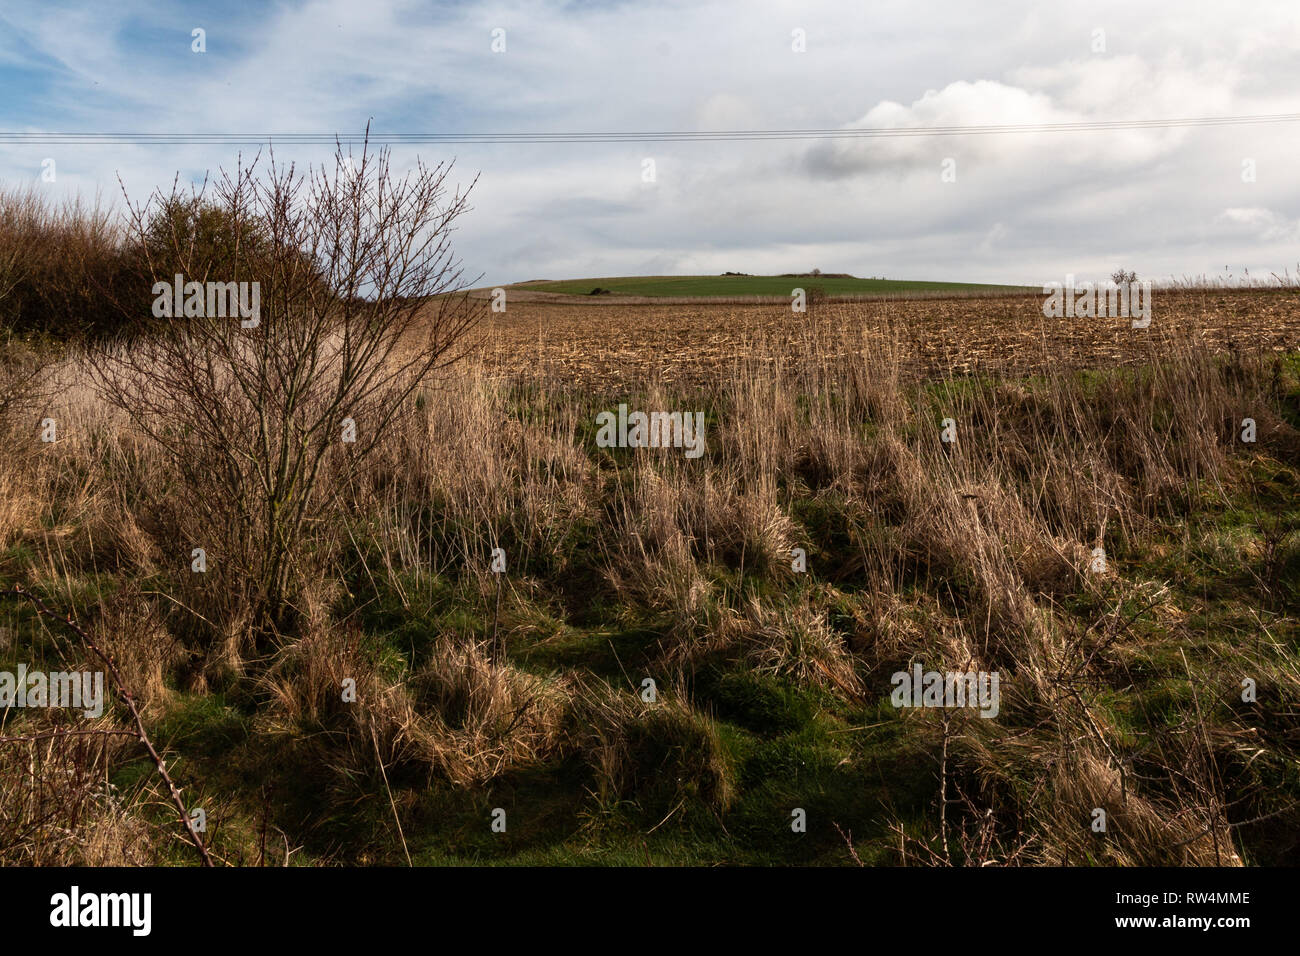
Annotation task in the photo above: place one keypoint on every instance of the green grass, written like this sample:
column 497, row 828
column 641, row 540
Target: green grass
column 728, row 286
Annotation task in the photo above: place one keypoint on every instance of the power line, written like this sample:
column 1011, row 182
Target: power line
column 852, row 133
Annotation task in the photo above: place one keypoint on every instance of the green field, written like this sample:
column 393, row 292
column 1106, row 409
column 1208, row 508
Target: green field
column 755, row 285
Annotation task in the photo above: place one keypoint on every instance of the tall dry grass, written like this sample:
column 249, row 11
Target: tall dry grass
column 959, row 556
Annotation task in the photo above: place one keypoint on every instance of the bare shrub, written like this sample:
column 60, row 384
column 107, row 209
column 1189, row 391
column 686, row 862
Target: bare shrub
column 58, row 807
column 358, row 305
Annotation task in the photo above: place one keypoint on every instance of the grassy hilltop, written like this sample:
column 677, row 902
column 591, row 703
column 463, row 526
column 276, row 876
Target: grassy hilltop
column 747, row 285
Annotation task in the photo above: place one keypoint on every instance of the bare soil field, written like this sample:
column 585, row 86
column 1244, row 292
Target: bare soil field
column 612, row 345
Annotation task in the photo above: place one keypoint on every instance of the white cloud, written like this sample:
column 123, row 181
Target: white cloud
column 1262, row 224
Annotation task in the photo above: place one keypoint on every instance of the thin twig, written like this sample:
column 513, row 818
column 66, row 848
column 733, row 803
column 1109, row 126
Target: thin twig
column 21, row 592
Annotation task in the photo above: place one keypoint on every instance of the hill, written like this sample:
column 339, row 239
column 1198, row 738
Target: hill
column 747, row 285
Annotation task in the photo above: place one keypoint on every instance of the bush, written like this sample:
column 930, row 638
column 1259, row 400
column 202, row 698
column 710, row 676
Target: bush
column 76, row 271
column 262, row 420
column 62, row 268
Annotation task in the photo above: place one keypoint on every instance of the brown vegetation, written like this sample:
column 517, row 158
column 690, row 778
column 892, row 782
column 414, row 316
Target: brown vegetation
column 687, row 344
column 974, row 555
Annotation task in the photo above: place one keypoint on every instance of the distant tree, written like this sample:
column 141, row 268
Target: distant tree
column 1120, row 277
column 817, row 272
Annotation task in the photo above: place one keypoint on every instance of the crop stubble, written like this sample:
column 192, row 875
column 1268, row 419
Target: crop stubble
column 610, row 348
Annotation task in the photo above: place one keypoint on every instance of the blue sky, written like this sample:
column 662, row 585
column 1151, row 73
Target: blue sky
column 1025, row 208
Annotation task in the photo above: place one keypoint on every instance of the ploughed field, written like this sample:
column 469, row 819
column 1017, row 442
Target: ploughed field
column 594, row 344
column 751, row 286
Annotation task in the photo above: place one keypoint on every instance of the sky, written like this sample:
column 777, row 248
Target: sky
column 1022, row 208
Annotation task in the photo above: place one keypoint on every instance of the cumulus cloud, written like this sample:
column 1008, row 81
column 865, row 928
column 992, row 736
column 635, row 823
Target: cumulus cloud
column 982, row 103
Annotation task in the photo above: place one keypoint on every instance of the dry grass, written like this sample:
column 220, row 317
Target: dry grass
column 822, row 436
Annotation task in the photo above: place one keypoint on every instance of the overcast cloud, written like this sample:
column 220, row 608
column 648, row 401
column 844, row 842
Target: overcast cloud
column 1023, row 208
